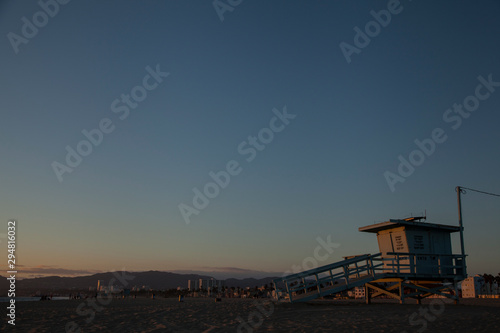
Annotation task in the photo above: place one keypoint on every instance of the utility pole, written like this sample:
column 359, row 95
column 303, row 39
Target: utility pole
column 460, row 223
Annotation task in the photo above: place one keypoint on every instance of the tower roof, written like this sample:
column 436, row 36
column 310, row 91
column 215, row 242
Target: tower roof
column 391, row 224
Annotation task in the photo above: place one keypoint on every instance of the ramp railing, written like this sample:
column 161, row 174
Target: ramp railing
column 328, row 279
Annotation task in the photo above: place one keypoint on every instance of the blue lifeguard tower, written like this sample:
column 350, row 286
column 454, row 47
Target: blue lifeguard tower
column 415, row 260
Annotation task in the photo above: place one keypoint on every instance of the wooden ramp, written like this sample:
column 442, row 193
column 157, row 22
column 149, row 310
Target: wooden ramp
column 360, row 270
column 329, row 279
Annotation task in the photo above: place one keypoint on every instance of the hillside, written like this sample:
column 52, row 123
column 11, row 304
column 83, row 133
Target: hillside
column 153, row 279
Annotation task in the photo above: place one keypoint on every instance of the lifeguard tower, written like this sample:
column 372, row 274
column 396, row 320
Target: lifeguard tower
column 415, row 261
column 421, row 248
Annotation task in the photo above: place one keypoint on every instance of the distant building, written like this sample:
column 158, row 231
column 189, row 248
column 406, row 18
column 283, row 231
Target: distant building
column 359, row 292
column 115, row 289
column 471, row 286
column 193, row 285
column 139, row 288
column 205, row 284
column 221, row 284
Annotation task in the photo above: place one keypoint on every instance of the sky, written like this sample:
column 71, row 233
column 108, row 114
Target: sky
column 302, row 110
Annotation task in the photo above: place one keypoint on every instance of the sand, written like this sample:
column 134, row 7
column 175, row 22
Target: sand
column 205, row 315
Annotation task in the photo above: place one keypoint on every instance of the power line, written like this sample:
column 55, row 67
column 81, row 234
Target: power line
column 470, row 189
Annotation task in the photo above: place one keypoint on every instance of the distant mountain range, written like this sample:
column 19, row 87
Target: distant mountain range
column 153, row 279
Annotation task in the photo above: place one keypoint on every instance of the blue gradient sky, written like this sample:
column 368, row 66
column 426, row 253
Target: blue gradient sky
column 322, row 175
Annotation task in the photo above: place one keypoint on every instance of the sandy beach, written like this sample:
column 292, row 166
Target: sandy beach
column 248, row 315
